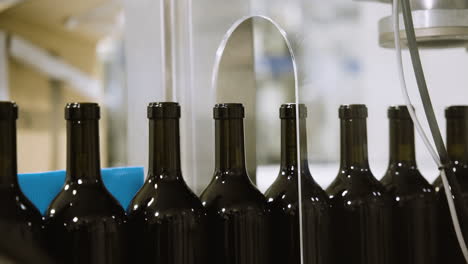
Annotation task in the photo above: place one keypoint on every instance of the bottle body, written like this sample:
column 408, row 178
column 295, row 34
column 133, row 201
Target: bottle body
column 85, row 223
column 414, row 199
column 20, row 221
column 171, row 231
column 282, row 197
column 316, row 220
column 167, row 221
column 361, row 219
column 457, row 148
column 239, row 220
column 449, row 248
column 414, row 216
column 361, row 208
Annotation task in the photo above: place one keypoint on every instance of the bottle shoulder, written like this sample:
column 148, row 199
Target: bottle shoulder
column 85, row 201
column 359, row 186
column 461, row 173
column 232, row 192
column 406, row 181
column 284, row 191
column 164, row 197
column 16, row 206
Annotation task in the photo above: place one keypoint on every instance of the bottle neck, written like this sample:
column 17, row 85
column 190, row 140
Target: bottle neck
column 402, row 150
column 83, row 160
column 164, row 148
column 457, row 140
column 289, row 144
column 354, row 143
column 229, row 145
column 8, row 165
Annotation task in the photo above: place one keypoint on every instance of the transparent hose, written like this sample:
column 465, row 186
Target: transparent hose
column 432, row 151
column 214, row 87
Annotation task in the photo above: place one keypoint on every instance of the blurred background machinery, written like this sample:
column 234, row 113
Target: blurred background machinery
column 109, row 51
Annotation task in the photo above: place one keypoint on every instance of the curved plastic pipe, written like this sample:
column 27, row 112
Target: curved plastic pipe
column 437, row 159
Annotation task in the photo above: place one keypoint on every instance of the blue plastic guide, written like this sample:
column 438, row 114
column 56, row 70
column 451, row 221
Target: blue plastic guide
column 41, row 188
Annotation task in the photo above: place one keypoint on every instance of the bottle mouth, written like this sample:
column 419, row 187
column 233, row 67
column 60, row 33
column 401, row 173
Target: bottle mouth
column 457, row 111
column 228, row 111
column 8, row 110
column 163, row 110
column 398, row 112
column 288, row 111
column 353, row 111
column 82, row 111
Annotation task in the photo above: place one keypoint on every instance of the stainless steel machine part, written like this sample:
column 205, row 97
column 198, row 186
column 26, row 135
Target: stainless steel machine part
column 437, row 24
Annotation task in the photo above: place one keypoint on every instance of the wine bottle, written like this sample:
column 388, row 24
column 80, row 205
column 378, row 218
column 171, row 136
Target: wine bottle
column 414, row 199
column 85, row 223
column 20, row 221
column 457, row 148
column 237, row 210
column 282, row 197
column 361, row 208
column 168, row 222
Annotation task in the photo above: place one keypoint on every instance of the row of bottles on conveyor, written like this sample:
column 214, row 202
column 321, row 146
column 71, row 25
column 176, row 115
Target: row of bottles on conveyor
column 357, row 220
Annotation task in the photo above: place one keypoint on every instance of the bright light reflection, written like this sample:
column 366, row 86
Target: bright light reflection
column 150, row 202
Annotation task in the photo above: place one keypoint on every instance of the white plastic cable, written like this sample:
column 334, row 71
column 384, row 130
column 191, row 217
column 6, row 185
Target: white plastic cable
column 422, row 134
column 401, row 74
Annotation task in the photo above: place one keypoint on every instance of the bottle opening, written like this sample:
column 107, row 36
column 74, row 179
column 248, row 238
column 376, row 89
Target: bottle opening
column 161, row 110
column 8, row 110
column 82, row 111
column 353, row 111
column 228, row 111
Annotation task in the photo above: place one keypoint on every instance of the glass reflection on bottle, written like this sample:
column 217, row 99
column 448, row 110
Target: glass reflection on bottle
column 20, row 221
column 167, row 221
column 85, row 223
column 457, row 147
column 238, row 214
column 361, row 207
column 283, row 198
column 414, row 199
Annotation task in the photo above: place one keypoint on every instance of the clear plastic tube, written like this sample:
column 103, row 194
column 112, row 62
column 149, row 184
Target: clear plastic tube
column 214, row 86
column 436, row 158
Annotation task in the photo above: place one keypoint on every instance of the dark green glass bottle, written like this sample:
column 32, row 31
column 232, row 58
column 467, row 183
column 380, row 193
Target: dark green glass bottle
column 168, row 223
column 85, row 223
column 457, row 147
column 414, row 199
column 361, row 207
column 20, row 222
column 237, row 210
column 283, row 198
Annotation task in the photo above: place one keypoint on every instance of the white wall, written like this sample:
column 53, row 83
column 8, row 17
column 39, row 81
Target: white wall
column 143, row 61
column 211, row 19
column 376, row 83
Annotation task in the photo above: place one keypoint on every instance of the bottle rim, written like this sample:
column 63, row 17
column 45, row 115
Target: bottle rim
column 8, row 110
column 228, row 111
column 82, row 111
column 352, row 111
column 288, row 111
column 163, row 110
column 398, row 112
column 457, row 111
